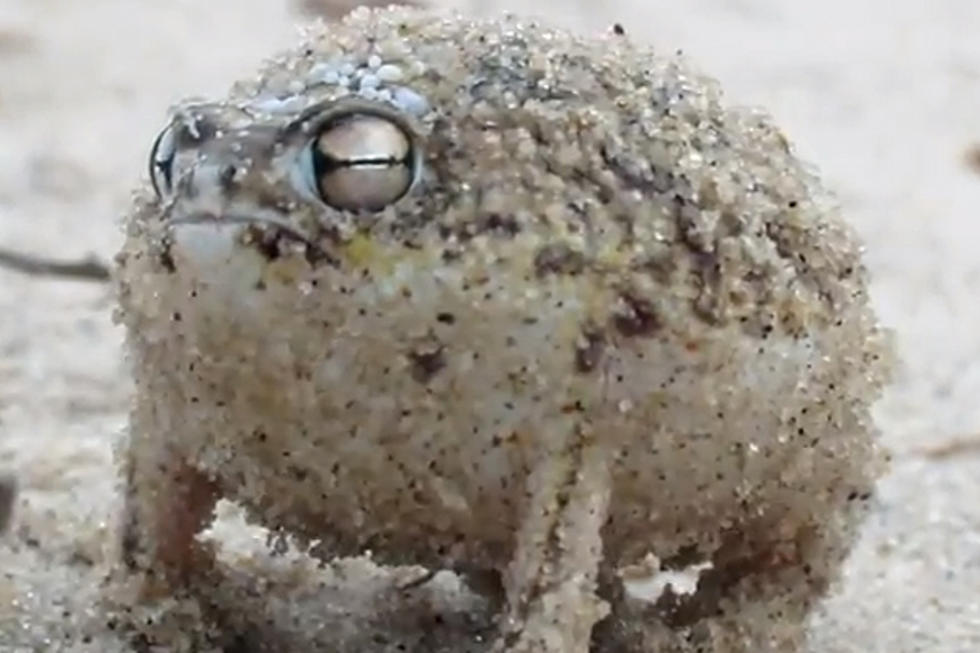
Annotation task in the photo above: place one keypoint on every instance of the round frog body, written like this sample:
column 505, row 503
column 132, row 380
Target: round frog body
column 493, row 297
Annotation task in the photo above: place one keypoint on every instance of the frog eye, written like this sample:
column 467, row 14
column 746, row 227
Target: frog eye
column 362, row 162
column 161, row 162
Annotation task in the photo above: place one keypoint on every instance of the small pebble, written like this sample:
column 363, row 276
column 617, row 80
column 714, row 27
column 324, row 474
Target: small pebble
column 277, row 105
column 369, row 81
column 410, row 101
column 390, row 73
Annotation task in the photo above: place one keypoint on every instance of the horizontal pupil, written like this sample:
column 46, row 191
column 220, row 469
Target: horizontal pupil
column 350, row 163
column 328, row 164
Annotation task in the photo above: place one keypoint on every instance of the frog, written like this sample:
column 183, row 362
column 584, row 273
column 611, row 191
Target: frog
column 491, row 296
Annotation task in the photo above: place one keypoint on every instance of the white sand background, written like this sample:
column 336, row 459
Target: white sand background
column 883, row 96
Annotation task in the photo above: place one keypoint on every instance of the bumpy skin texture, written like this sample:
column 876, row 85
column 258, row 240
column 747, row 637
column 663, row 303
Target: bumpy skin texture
column 613, row 317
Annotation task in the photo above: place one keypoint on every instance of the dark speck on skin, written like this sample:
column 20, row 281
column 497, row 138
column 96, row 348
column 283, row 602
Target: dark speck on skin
column 558, row 258
column 266, row 242
column 588, row 353
column 167, row 260
column 636, row 317
column 427, row 360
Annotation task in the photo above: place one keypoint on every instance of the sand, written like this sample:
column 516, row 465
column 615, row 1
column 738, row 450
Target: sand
column 882, row 96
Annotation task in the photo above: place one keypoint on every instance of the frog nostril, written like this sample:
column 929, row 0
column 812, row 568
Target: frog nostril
column 227, row 176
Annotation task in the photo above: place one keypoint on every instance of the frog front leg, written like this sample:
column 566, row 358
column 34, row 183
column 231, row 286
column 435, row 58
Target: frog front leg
column 551, row 584
column 167, row 503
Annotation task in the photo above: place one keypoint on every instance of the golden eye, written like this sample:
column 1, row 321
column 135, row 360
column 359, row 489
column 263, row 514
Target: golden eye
column 362, row 162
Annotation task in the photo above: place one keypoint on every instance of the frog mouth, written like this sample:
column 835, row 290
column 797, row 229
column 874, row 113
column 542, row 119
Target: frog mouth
column 266, row 222
column 270, row 235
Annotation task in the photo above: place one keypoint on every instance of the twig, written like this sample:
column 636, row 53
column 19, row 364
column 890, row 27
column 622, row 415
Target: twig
column 972, row 157
column 89, row 268
column 964, row 445
column 8, row 492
